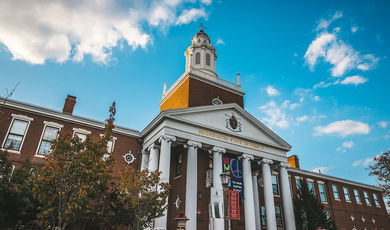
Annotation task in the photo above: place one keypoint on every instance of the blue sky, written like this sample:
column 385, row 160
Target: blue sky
column 316, row 72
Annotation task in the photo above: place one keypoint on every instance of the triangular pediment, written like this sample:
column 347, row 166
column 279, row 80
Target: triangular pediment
column 229, row 119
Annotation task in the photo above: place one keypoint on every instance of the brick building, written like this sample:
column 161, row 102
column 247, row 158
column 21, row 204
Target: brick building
column 202, row 131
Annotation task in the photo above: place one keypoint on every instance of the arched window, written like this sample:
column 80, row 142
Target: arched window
column 208, row 59
column 197, row 58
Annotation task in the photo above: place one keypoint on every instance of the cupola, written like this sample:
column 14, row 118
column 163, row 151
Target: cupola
column 201, row 55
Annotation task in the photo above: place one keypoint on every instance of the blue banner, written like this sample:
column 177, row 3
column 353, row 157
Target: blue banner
column 233, row 167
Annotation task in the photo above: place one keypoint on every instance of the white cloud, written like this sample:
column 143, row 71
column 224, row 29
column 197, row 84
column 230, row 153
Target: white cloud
column 271, row 91
column 316, row 98
column 383, row 124
column 220, row 42
column 207, row 2
column 348, row 144
column 343, row 128
column 321, row 169
column 322, row 84
column 324, row 23
column 302, row 118
column 354, row 80
column 275, row 116
column 387, row 137
column 331, row 49
column 188, row 16
column 40, row 30
column 356, row 163
column 354, row 29
column 295, row 105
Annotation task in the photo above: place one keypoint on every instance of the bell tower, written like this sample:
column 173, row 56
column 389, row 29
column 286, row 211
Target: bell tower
column 200, row 85
column 201, row 55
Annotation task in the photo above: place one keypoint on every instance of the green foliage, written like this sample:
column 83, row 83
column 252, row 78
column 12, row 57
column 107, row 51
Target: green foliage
column 381, row 169
column 309, row 211
column 74, row 179
column 16, row 199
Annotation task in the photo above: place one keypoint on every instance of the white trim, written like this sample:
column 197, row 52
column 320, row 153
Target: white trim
column 18, row 117
column 81, row 131
column 338, row 193
column 22, row 117
column 309, row 179
column 319, row 191
column 47, row 124
column 53, row 124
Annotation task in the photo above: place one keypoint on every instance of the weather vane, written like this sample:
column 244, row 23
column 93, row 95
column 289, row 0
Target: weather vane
column 201, row 26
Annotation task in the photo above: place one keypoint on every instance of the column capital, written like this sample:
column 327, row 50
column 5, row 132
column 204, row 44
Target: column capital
column 284, row 165
column 194, row 144
column 167, row 137
column 153, row 146
column 218, row 149
column 246, row 156
column 266, row 161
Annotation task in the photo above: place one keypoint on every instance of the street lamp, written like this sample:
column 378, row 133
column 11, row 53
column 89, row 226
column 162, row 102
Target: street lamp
column 225, row 182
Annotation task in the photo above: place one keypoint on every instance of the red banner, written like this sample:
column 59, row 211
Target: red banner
column 234, row 205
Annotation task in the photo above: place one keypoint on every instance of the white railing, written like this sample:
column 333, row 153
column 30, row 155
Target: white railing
column 229, row 84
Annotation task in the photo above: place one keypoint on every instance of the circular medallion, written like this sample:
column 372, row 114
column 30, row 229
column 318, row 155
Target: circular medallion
column 129, row 158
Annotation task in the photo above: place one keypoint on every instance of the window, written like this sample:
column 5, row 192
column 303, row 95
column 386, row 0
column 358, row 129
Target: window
column 16, row 134
column 197, row 58
column 310, row 185
column 263, row 216
column 81, row 133
column 376, row 200
column 289, row 183
column 208, row 59
column 178, row 164
column 335, row 192
column 298, row 182
column 49, row 134
column 322, row 192
column 278, row 215
column 368, row 202
column 357, row 197
column 346, row 194
column 275, row 186
column 81, row 136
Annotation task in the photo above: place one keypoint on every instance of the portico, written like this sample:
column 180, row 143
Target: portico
column 205, row 133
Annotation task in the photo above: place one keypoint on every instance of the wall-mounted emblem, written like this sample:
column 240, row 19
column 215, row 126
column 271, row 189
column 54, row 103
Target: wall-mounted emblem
column 177, row 202
column 216, row 101
column 129, row 158
column 233, row 123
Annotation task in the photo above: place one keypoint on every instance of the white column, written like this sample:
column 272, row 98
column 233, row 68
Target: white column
column 256, row 200
column 286, row 198
column 192, row 184
column 153, row 157
column 249, row 206
column 164, row 168
column 268, row 195
column 145, row 160
column 217, row 184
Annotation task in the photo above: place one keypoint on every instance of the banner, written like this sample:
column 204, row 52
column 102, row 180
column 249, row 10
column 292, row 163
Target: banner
column 216, row 202
column 234, row 205
column 233, row 167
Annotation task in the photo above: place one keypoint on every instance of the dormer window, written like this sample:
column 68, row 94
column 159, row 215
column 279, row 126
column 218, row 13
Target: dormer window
column 208, row 59
column 197, row 58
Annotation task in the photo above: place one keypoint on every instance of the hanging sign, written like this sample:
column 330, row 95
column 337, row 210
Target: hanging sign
column 234, row 205
column 216, row 202
column 233, row 167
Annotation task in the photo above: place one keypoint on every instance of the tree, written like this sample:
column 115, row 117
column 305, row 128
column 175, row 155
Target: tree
column 74, row 179
column 141, row 198
column 16, row 199
column 381, row 169
column 309, row 211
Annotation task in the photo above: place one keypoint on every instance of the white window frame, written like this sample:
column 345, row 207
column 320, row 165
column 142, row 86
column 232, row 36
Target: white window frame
column 319, row 192
column 296, row 184
column 365, row 198
column 312, row 181
column 349, row 194
column 358, row 196
column 50, row 124
column 113, row 142
column 376, row 198
column 338, row 193
column 277, row 183
column 18, row 117
column 81, row 131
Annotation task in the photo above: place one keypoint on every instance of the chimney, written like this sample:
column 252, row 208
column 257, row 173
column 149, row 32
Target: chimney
column 238, row 80
column 165, row 90
column 70, row 101
column 293, row 161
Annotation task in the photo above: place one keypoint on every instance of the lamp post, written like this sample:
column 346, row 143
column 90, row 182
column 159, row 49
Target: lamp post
column 225, row 183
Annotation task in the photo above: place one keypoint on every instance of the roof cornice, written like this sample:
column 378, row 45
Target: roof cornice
column 65, row 117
